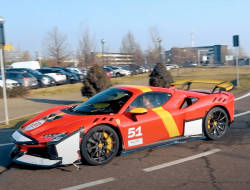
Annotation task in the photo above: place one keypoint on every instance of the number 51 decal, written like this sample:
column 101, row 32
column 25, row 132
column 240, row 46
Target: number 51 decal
column 132, row 132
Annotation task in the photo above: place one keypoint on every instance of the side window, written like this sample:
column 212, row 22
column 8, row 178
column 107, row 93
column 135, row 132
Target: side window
column 12, row 75
column 149, row 100
column 188, row 102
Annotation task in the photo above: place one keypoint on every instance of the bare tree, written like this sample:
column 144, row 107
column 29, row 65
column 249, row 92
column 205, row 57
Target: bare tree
column 153, row 51
column 128, row 43
column 26, row 56
column 86, row 46
column 55, row 46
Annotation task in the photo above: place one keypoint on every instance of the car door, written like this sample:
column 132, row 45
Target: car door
column 150, row 127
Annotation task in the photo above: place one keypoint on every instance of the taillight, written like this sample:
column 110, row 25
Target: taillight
column 26, row 79
column 58, row 74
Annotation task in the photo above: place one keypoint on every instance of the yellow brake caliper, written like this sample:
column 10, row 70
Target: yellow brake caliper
column 208, row 122
column 108, row 140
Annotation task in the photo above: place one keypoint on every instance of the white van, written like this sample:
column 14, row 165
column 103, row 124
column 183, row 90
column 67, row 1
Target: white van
column 28, row 64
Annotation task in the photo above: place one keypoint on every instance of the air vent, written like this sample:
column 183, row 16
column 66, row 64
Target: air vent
column 224, row 100
column 219, row 99
column 95, row 120
column 103, row 118
column 53, row 118
column 215, row 99
column 111, row 119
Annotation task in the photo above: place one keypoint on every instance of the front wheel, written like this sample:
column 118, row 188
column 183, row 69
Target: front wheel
column 216, row 123
column 100, row 145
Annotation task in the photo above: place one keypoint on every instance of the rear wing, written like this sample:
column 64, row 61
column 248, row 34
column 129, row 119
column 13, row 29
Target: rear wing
column 222, row 85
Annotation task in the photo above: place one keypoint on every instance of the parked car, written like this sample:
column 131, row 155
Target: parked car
column 43, row 80
column 23, row 78
column 79, row 71
column 56, row 74
column 72, row 77
column 175, row 66
column 109, row 72
column 135, row 69
column 10, row 84
column 168, row 66
column 193, row 64
column 148, row 67
column 118, row 72
column 145, row 68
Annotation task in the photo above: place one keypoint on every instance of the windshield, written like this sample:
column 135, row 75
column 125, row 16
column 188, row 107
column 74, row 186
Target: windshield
column 108, row 101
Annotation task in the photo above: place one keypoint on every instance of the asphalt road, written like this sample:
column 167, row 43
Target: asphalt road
column 228, row 168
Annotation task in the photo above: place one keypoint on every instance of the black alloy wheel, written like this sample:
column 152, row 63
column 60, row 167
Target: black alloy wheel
column 216, row 123
column 100, row 145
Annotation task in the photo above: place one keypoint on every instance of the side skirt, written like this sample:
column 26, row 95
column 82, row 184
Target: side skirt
column 167, row 142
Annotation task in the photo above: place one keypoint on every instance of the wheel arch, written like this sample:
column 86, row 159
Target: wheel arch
column 224, row 108
column 118, row 132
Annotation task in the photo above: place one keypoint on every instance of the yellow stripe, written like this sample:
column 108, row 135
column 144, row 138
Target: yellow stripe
column 168, row 121
column 142, row 88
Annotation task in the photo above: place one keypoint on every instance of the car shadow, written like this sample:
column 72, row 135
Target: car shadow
column 50, row 101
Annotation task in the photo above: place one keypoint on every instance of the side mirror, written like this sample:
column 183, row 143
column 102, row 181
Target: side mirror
column 137, row 111
column 84, row 99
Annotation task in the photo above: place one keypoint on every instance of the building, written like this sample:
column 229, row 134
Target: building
column 210, row 54
column 113, row 58
column 10, row 55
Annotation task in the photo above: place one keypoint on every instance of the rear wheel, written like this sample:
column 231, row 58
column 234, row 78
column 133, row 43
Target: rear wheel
column 100, row 145
column 118, row 74
column 216, row 123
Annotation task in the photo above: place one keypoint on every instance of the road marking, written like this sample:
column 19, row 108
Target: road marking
column 248, row 94
column 181, row 160
column 90, row 184
column 240, row 114
column 6, row 144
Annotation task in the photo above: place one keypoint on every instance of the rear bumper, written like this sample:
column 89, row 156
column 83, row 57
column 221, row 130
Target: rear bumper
column 61, row 81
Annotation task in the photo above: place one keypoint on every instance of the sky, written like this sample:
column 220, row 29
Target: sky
column 214, row 22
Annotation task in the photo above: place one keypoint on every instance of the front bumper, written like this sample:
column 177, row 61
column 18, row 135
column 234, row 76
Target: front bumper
column 63, row 151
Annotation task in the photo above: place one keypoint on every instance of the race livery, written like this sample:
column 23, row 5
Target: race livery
column 124, row 119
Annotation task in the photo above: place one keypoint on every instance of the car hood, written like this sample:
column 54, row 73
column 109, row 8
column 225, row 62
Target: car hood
column 55, row 123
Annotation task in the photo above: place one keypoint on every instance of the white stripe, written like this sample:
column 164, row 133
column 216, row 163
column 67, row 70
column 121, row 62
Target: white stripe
column 244, row 113
column 90, row 184
column 248, row 94
column 22, row 116
column 181, row 160
column 6, row 144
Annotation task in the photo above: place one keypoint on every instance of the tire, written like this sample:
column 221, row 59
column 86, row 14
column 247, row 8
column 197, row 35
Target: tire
column 100, row 145
column 118, row 74
column 216, row 123
column 40, row 84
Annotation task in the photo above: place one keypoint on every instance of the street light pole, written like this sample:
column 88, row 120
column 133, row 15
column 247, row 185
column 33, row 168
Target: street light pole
column 102, row 41
column 133, row 50
column 2, row 43
column 74, row 59
column 159, row 40
column 38, row 58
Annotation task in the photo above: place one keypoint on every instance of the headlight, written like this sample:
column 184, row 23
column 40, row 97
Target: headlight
column 57, row 136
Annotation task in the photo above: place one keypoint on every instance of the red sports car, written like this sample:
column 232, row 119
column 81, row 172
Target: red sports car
column 123, row 119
